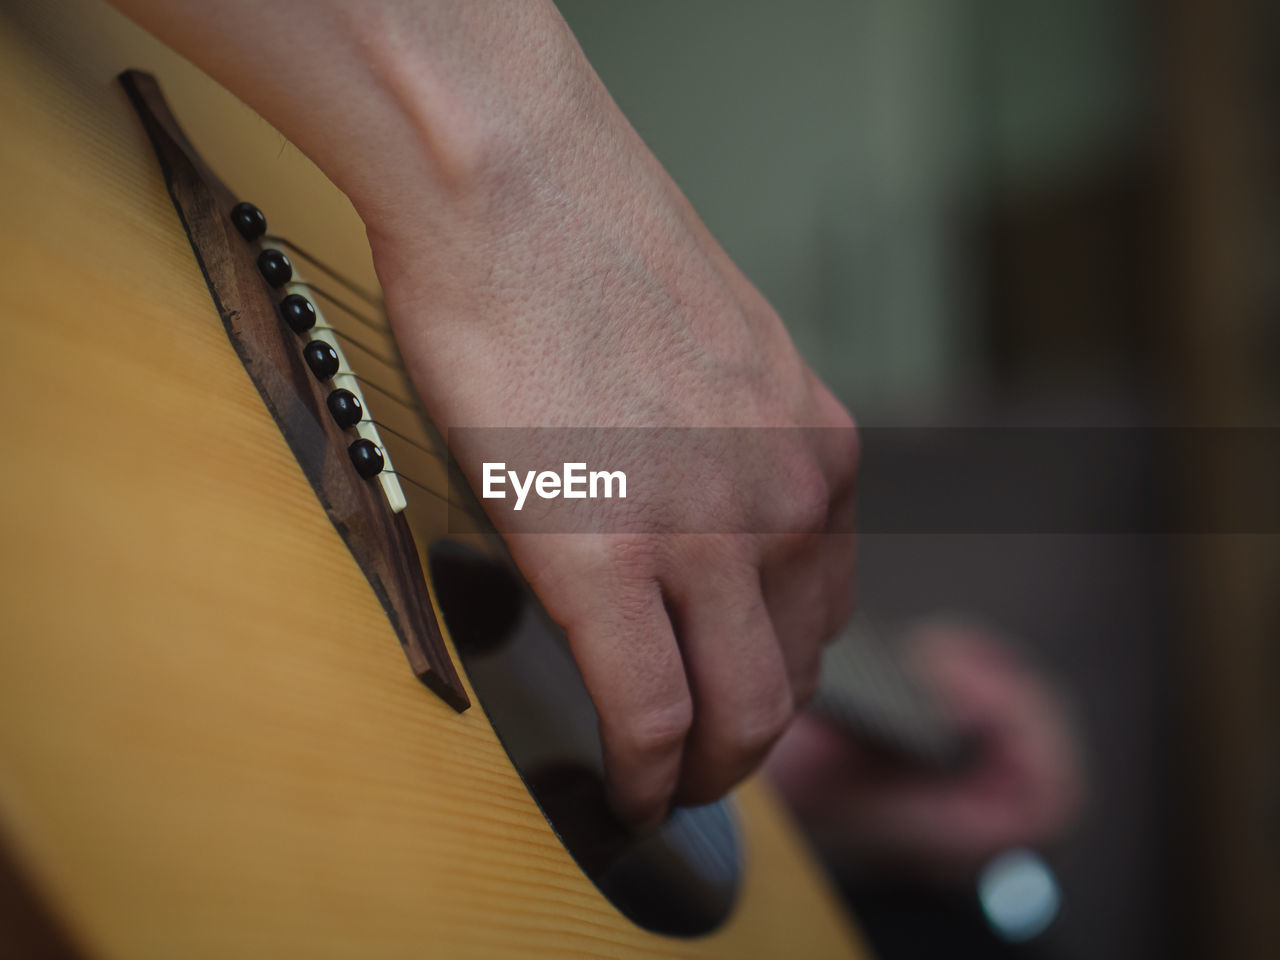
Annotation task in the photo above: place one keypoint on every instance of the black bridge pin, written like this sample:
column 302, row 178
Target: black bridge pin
column 321, row 358
column 249, row 220
column 367, row 457
column 345, row 407
column 298, row 312
column 275, row 267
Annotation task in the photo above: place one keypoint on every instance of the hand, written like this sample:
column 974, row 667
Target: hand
column 540, row 268
column 566, row 282
column 1023, row 789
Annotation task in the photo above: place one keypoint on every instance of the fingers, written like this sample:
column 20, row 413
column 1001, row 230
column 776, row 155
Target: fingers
column 809, row 579
column 736, row 671
column 622, row 640
column 838, row 450
column 682, row 719
column 697, row 649
column 796, row 594
column 685, row 720
column 808, row 588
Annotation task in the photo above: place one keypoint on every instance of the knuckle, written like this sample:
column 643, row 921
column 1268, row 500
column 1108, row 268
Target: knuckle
column 723, row 555
column 632, row 556
column 844, row 443
column 765, row 722
column 807, row 502
column 834, row 414
column 657, row 730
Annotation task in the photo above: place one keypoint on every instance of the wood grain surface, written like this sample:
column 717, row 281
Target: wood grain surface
column 210, row 745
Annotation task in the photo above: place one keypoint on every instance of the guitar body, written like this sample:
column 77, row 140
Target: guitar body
column 210, row 743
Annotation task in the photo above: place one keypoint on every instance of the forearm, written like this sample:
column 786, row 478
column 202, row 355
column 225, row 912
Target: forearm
column 409, row 106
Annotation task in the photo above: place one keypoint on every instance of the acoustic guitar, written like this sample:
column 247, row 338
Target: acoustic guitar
column 237, row 583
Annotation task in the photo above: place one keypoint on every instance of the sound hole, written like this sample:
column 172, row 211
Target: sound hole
column 681, row 880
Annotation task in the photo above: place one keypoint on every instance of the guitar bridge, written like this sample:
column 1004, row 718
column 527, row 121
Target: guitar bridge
column 306, row 384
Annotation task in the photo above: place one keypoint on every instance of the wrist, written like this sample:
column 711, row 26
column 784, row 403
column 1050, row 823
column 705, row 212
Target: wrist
column 454, row 133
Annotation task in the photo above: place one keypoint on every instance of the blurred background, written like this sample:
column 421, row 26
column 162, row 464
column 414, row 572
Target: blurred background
column 1036, row 214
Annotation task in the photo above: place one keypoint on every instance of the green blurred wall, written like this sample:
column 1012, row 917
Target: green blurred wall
column 843, row 152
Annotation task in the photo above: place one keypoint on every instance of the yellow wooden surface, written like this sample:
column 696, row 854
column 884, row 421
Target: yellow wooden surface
column 210, row 743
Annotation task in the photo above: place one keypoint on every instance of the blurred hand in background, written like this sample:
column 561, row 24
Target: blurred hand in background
column 1024, row 785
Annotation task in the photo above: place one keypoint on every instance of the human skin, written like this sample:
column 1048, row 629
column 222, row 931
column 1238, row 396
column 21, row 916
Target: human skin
column 541, row 269
column 1024, row 787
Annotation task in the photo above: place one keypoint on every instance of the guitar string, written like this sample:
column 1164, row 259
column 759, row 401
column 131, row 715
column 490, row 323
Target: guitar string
column 415, row 409
column 461, row 507
column 423, row 448
column 406, row 438
column 364, row 318
column 373, row 324
column 408, row 404
column 397, row 363
column 393, row 362
column 362, row 292
column 435, row 454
